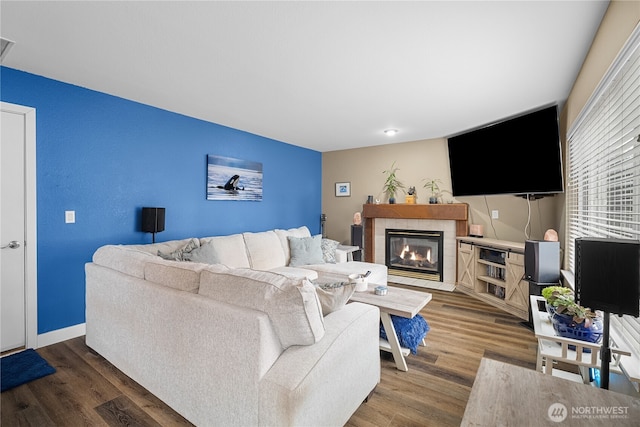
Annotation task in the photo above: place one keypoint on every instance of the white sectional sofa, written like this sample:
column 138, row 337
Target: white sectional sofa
column 239, row 341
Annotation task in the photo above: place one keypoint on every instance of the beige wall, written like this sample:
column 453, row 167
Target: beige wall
column 418, row 161
column 429, row 158
column 616, row 27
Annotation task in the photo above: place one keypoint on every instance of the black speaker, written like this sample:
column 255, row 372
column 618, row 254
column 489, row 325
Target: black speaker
column 153, row 220
column 542, row 261
column 607, row 275
column 356, row 240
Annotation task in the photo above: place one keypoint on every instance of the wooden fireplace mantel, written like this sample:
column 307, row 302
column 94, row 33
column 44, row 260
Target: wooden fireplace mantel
column 458, row 212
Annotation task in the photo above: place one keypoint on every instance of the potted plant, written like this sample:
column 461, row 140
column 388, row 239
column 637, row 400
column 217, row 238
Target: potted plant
column 554, row 295
column 433, row 185
column 392, row 184
column 570, row 319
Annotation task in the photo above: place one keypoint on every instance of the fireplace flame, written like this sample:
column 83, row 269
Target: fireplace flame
column 404, row 251
column 408, row 254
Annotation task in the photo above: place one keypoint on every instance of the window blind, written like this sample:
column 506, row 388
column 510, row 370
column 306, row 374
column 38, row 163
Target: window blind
column 603, row 167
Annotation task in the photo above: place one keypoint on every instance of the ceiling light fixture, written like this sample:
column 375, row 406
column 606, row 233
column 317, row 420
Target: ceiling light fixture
column 390, row 132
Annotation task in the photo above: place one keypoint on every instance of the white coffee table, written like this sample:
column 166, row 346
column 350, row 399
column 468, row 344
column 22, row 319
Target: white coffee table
column 400, row 302
column 509, row 395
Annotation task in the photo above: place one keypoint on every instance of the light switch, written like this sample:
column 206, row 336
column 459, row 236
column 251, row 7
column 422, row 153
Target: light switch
column 495, row 214
column 69, row 217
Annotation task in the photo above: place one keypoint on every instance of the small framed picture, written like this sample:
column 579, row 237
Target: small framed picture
column 343, row 189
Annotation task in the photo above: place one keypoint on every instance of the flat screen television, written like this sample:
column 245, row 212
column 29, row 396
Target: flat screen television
column 520, row 155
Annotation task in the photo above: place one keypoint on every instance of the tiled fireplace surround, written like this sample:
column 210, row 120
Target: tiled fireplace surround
column 451, row 219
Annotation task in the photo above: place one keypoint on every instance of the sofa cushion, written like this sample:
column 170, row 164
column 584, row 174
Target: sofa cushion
column 175, row 274
column 333, row 296
column 296, row 272
column 182, row 252
column 264, row 250
column 305, row 250
column 291, row 304
column 123, row 259
column 229, row 250
column 329, row 247
column 283, row 235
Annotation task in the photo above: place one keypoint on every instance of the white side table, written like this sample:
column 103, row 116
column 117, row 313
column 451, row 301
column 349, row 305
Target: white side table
column 349, row 250
column 552, row 347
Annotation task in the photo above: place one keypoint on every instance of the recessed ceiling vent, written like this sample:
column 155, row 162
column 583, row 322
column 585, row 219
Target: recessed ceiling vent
column 5, row 47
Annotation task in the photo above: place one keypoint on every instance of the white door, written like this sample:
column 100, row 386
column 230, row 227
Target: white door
column 15, row 319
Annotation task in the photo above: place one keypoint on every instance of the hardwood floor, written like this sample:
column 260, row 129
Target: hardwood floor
column 435, row 390
column 87, row 390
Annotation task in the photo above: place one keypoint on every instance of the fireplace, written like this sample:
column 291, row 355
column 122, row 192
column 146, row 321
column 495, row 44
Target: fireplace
column 414, row 253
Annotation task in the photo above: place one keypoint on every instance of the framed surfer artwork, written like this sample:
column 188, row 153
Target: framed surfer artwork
column 233, row 179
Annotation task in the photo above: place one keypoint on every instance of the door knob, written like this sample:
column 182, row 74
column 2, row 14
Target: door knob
column 14, row 244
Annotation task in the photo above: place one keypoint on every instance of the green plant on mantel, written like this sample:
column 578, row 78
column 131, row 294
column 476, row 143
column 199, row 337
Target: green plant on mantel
column 392, row 184
column 433, row 185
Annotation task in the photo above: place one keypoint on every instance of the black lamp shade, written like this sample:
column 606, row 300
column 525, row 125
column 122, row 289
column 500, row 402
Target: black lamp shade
column 152, row 220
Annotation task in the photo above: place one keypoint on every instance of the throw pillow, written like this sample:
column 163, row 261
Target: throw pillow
column 283, row 235
column 305, row 250
column 329, row 250
column 334, row 296
column 178, row 254
column 205, row 254
column 291, row 304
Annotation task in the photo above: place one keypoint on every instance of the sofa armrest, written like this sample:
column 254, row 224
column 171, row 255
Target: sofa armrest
column 300, row 388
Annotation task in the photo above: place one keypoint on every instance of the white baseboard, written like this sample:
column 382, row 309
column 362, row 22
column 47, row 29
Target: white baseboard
column 60, row 335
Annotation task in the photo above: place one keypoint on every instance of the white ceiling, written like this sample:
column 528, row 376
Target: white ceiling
column 322, row 75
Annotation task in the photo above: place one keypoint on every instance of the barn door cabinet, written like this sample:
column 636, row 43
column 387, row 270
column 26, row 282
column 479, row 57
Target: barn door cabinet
column 493, row 271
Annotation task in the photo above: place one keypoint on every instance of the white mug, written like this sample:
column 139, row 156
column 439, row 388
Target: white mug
column 361, row 282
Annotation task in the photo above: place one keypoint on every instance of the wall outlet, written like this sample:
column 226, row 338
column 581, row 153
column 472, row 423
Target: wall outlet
column 495, row 214
column 69, row 217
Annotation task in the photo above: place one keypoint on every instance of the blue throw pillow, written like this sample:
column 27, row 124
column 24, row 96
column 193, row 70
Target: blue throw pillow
column 305, row 250
column 410, row 332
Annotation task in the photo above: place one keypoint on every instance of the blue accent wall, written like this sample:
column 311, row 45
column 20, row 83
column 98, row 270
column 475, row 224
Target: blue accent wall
column 106, row 157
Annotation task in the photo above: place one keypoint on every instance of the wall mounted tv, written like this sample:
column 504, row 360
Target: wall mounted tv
column 520, row 155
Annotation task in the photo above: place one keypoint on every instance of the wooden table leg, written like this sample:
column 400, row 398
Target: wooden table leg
column 392, row 338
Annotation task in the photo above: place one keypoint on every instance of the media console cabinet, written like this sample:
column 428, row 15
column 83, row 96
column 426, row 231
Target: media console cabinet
column 493, row 271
